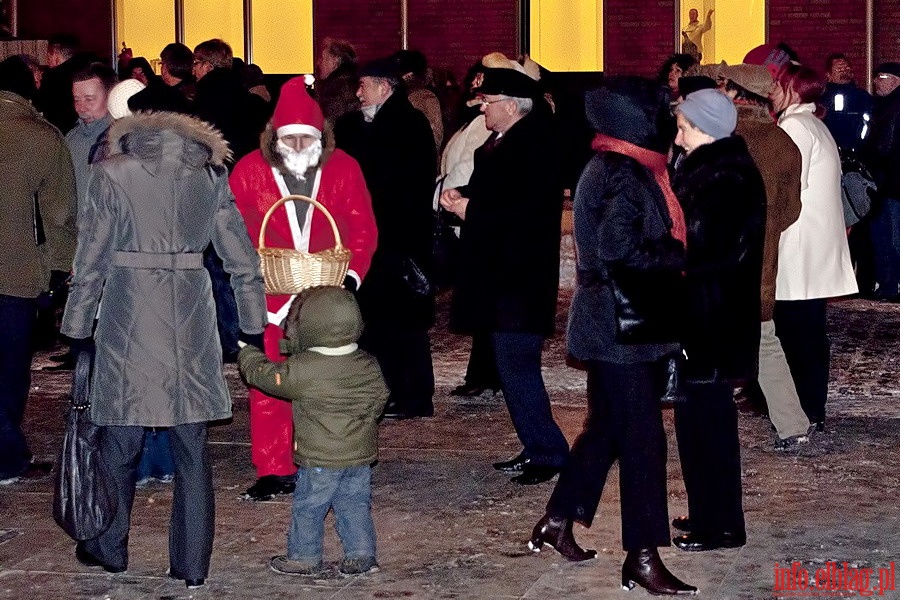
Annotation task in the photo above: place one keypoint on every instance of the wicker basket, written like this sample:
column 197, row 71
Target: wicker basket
column 290, row 271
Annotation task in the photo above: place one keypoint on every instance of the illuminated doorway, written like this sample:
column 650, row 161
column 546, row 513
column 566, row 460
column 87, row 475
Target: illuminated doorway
column 735, row 27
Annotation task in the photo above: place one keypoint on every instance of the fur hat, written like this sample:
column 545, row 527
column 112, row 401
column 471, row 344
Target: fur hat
column 756, row 79
column 117, row 101
column 498, row 60
column 296, row 112
column 711, row 111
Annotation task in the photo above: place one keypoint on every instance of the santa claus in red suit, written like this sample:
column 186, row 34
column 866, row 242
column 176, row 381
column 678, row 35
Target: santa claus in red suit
column 296, row 157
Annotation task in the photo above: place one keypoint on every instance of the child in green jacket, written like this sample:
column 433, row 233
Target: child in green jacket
column 338, row 393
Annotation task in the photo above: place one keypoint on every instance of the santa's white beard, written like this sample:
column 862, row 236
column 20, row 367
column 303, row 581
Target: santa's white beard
column 296, row 162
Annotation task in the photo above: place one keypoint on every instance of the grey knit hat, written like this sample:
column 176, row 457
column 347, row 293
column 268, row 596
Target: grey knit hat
column 711, row 111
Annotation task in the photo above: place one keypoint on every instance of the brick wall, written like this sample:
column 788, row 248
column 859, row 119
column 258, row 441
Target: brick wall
column 816, row 28
column 452, row 33
column 639, row 36
column 887, row 31
column 372, row 26
column 88, row 19
column 455, row 33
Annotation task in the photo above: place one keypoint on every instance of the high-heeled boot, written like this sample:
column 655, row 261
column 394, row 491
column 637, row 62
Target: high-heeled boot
column 645, row 568
column 557, row 532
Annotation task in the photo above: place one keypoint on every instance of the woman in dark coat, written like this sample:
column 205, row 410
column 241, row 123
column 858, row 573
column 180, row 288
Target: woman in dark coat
column 724, row 200
column 627, row 224
column 156, row 203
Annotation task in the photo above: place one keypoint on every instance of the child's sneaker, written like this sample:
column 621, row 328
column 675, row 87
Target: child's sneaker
column 358, row 566
column 283, row 564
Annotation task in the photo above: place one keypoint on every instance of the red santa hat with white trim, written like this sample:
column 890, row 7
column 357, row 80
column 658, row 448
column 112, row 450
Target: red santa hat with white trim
column 296, row 112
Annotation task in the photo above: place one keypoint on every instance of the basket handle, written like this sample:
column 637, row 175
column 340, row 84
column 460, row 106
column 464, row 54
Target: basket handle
column 295, row 198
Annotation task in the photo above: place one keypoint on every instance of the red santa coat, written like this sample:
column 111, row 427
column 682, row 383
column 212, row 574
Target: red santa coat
column 341, row 188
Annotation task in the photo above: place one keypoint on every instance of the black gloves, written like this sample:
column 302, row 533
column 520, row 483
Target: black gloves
column 350, row 283
column 56, row 290
column 252, row 339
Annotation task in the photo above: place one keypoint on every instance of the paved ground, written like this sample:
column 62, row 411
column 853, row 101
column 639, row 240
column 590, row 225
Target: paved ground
column 451, row 527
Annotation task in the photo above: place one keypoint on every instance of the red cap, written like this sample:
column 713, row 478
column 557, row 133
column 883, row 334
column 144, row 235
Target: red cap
column 296, row 112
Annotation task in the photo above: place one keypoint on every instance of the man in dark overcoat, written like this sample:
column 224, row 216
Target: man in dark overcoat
column 509, row 269
column 393, row 145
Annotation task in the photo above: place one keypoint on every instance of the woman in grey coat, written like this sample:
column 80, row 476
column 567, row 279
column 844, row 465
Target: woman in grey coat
column 155, row 204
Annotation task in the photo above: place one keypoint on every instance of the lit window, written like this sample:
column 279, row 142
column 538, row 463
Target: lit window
column 567, row 35
column 737, row 26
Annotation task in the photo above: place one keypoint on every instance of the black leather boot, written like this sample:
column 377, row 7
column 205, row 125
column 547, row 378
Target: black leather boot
column 645, row 568
column 557, row 532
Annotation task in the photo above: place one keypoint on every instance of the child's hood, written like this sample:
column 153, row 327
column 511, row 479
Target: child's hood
column 329, row 317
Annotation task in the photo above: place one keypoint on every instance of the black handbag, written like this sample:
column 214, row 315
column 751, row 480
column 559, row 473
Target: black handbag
column 648, row 305
column 414, row 278
column 673, row 392
column 83, row 501
column 444, row 248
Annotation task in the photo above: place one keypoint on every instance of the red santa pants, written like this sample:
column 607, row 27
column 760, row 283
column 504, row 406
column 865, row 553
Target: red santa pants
column 271, row 422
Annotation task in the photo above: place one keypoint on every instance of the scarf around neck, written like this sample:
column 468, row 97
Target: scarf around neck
column 656, row 162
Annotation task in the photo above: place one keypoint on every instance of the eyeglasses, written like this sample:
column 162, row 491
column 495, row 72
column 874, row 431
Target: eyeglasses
column 484, row 101
column 198, row 62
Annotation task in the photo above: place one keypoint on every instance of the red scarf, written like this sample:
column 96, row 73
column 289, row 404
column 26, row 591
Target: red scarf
column 656, row 162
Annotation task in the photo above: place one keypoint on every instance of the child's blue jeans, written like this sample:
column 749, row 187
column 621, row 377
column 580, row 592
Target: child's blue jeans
column 349, row 493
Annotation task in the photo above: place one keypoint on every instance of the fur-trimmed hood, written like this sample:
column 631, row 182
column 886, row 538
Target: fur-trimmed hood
column 268, row 139
column 142, row 133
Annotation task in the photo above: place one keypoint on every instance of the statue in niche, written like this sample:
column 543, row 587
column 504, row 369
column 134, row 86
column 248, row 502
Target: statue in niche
column 692, row 34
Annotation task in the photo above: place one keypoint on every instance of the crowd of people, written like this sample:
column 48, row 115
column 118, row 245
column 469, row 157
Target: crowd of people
column 710, row 233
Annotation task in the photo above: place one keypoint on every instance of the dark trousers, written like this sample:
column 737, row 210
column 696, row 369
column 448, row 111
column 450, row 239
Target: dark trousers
column 801, row 325
column 226, row 305
column 193, row 503
column 156, row 457
column 624, row 423
column 17, row 316
column 482, row 368
column 708, row 445
column 519, row 365
column 862, row 255
column 885, row 230
column 404, row 356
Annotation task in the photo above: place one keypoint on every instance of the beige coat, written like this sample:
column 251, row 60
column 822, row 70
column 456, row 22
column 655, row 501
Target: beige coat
column 813, row 255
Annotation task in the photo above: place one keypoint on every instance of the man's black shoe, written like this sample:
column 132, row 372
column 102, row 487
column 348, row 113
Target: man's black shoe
column 191, row 584
column 393, row 411
column 269, row 486
column 468, row 390
column 513, row 465
column 682, row 523
column 34, row 471
column 89, row 560
column 701, row 542
column 534, row 474
column 66, row 365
